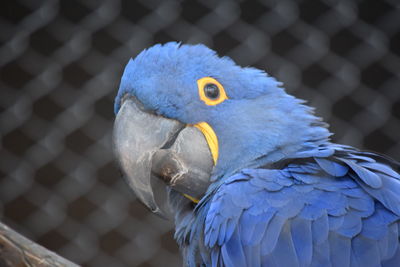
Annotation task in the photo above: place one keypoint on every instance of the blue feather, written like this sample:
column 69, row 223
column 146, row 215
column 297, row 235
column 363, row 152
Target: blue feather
column 320, row 229
column 362, row 204
column 393, row 240
column 368, row 177
column 311, row 213
column 305, row 177
column 263, row 183
column 232, row 252
column 302, row 240
column 351, row 226
column 212, row 236
column 310, row 168
column 292, row 209
column 215, row 257
column 278, row 199
column 253, row 254
column 375, row 226
column 393, row 261
column 292, row 167
column 327, row 152
column 303, row 189
column 383, row 245
column 254, row 227
column 381, row 168
column 360, row 157
column 272, row 234
column 335, row 222
column 340, row 250
column 321, row 255
column 388, row 195
column 332, row 167
column 221, row 233
column 354, row 192
column 365, row 252
column 230, row 228
column 285, row 253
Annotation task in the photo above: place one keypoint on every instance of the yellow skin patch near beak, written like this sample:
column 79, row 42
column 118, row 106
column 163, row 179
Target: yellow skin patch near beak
column 195, row 200
column 212, row 142
column 211, row 138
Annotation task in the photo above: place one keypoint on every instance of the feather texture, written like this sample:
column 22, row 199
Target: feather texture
column 332, row 211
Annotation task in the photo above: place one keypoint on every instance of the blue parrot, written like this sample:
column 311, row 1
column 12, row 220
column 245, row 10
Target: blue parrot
column 247, row 171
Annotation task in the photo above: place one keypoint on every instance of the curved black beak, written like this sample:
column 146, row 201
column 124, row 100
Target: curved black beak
column 155, row 152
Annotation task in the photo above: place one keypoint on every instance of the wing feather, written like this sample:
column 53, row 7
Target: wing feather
column 339, row 210
column 302, row 239
column 340, row 249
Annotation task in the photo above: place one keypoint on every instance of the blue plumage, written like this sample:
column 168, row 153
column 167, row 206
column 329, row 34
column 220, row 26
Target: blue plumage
column 282, row 194
column 350, row 224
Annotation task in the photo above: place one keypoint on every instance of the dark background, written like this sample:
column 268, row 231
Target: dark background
column 60, row 65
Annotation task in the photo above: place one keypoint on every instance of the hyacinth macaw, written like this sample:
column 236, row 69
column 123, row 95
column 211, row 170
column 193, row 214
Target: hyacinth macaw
column 247, row 171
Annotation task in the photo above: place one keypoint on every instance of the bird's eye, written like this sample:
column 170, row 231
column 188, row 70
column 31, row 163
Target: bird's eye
column 211, row 91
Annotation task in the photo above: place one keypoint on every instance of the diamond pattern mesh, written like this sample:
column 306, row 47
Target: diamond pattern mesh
column 60, row 65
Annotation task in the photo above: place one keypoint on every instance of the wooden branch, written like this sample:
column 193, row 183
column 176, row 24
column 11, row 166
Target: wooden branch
column 16, row 250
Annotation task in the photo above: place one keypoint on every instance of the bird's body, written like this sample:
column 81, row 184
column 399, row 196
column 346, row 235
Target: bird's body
column 280, row 193
column 334, row 206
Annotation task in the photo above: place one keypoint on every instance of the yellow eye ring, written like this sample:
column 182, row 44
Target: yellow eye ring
column 211, row 91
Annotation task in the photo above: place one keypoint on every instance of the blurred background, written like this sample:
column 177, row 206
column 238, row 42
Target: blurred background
column 60, row 66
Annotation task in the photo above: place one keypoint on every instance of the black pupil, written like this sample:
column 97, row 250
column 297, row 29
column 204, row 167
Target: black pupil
column 211, row 91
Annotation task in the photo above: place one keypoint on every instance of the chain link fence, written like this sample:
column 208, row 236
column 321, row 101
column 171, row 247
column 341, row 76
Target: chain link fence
column 60, row 65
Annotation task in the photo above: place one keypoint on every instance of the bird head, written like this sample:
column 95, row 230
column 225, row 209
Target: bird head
column 184, row 111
